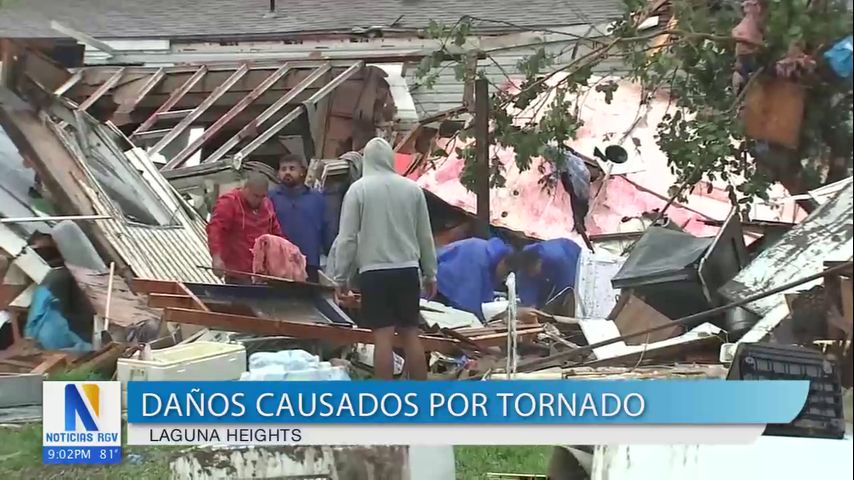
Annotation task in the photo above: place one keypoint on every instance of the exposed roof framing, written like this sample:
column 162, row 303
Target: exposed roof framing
column 104, row 88
column 238, row 107
column 170, row 102
column 243, row 109
column 146, row 88
column 310, row 106
column 198, row 111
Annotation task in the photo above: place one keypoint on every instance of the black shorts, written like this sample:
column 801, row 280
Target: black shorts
column 390, row 298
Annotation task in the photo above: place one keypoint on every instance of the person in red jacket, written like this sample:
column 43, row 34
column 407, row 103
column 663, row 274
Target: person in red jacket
column 239, row 217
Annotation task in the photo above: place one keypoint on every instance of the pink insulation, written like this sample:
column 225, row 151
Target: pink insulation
column 637, row 187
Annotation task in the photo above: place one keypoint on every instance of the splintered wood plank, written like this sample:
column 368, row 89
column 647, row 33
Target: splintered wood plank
column 127, row 309
column 500, row 339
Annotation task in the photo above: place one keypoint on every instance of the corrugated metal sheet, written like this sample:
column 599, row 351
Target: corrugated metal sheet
column 827, row 234
column 172, row 252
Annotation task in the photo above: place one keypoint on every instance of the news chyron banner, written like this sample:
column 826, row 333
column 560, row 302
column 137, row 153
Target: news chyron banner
column 83, row 420
column 458, row 412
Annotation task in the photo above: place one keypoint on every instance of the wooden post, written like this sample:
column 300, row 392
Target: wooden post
column 6, row 62
column 481, row 135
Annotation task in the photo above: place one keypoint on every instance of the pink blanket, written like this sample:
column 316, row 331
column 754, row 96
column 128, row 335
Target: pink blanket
column 277, row 257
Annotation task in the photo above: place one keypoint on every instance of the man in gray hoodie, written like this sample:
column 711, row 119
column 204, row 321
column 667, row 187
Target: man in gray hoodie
column 385, row 235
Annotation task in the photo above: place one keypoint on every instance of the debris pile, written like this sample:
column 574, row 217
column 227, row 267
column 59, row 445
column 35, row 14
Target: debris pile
column 106, row 271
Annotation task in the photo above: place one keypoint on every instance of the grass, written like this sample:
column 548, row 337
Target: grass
column 20, row 457
column 473, row 463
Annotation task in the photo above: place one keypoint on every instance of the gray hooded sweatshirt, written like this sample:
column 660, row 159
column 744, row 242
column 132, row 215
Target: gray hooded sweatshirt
column 384, row 221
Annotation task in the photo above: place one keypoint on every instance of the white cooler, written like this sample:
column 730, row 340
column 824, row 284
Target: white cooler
column 194, row 361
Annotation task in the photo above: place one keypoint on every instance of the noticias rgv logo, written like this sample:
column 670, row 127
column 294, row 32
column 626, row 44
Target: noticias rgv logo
column 82, row 405
column 76, row 407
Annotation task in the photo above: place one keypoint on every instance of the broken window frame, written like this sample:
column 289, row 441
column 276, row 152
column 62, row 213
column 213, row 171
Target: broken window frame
column 143, row 197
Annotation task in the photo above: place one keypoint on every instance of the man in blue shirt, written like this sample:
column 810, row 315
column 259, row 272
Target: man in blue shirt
column 302, row 213
column 546, row 269
column 469, row 272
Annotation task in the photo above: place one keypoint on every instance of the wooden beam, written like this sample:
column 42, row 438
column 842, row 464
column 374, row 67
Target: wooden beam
column 15, row 320
column 7, row 59
column 211, row 131
column 198, row 304
column 147, row 87
column 481, row 135
column 174, row 114
column 160, row 133
column 52, row 362
column 69, row 83
column 500, row 339
column 269, row 133
column 260, row 326
column 101, row 91
column 409, row 138
column 147, row 285
column 9, row 292
column 199, row 110
column 250, row 128
column 310, row 105
column 170, row 300
column 173, row 99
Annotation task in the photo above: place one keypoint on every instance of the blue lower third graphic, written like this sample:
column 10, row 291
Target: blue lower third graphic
column 526, row 402
column 81, row 423
column 81, row 455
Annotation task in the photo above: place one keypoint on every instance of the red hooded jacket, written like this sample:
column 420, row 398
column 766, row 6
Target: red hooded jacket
column 234, row 227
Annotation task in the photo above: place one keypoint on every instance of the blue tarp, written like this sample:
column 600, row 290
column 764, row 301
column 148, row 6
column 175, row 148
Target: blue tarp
column 560, row 264
column 467, row 275
column 48, row 327
column 839, row 57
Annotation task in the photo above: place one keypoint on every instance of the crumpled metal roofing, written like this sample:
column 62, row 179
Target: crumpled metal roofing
column 826, row 235
column 171, row 252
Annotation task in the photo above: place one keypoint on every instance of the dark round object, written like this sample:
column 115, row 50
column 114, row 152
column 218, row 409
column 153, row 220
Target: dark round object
column 616, row 154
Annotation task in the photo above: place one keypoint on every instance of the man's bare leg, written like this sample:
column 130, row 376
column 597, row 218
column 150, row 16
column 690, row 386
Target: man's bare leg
column 384, row 353
column 416, row 365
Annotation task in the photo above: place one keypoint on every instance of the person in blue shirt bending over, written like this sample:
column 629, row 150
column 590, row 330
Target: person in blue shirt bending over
column 469, row 272
column 302, row 213
column 546, row 269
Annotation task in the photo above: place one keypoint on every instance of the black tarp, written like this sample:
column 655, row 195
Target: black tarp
column 662, row 255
